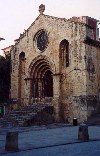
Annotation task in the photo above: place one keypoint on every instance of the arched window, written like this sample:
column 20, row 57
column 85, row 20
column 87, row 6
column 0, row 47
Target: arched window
column 22, row 56
column 22, row 62
column 21, row 73
column 64, row 53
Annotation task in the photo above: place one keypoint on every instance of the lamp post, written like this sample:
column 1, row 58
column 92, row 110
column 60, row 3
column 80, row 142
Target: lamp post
column 1, row 39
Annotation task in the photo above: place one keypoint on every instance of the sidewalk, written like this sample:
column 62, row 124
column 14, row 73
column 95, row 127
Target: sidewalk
column 48, row 138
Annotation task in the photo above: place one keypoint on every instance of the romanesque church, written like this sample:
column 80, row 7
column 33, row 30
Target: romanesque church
column 57, row 60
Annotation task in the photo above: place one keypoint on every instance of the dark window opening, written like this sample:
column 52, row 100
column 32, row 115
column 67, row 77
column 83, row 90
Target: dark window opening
column 64, row 53
column 67, row 55
column 48, row 85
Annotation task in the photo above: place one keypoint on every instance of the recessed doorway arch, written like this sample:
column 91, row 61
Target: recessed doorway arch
column 41, row 74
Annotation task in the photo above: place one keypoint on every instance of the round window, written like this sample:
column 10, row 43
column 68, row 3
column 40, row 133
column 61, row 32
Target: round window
column 42, row 40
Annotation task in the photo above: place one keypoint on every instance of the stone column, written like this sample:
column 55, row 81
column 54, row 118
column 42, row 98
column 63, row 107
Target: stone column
column 34, row 86
column 42, row 88
column 39, row 88
column 28, row 90
column 56, row 96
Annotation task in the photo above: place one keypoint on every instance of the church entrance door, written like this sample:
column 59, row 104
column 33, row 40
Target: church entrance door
column 43, row 87
column 42, row 80
column 48, row 84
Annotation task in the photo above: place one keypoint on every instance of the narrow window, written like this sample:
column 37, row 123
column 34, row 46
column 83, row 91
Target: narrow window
column 67, row 55
column 64, row 53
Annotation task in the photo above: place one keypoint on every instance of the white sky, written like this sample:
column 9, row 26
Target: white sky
column 17, row 15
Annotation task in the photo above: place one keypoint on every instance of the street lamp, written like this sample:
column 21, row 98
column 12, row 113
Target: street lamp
column 1, row 39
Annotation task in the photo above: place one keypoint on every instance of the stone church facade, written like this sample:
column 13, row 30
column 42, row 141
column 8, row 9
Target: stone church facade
column 58, row 60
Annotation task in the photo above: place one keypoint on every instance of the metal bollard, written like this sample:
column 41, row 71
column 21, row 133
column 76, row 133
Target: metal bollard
column 83, row 133
column 74, row 121
column 11, row 141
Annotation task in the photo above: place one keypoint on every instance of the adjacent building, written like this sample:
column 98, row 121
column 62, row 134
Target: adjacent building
column 7, row 50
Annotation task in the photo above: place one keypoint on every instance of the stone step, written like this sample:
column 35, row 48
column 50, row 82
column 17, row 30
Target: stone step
column 21, row 116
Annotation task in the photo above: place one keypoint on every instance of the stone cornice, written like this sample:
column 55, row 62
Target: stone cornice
column 92, row 42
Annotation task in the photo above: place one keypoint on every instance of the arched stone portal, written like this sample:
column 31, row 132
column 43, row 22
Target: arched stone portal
column 44, row 82
column 41, row 73
column 42, row 85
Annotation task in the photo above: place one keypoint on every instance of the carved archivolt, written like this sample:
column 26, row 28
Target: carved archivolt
column 40, row 65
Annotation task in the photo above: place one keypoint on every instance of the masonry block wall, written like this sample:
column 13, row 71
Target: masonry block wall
column 72, row 84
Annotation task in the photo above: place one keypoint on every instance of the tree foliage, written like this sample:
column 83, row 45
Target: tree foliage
column 4, row 78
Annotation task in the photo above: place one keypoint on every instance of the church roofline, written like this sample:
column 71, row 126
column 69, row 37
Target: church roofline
column 57, row 18
column 53, row 17
column 7, row 47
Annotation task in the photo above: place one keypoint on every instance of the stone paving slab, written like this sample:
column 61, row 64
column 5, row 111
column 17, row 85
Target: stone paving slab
column 79, row 149
column 47, row 136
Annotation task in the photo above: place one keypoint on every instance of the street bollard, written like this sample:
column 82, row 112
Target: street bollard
column 83, row 133
column 74, row 121
column 11, row 141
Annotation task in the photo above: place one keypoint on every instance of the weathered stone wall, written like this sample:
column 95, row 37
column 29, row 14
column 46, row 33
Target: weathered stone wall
column 73, row 82
column 70, row 84
column 14, row 73
column 92, row 78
